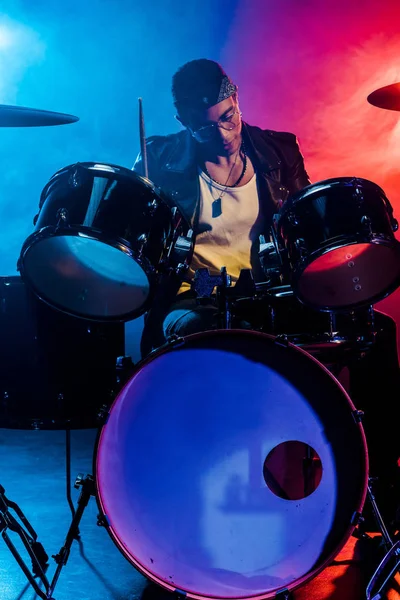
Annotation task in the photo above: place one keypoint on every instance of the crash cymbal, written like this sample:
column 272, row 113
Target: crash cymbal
column 21, row 116
column 386, row 97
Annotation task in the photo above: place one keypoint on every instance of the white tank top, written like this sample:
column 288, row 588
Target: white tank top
column 225, row 237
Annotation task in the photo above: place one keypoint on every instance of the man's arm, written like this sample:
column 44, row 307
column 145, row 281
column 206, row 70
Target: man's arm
column 297, row 176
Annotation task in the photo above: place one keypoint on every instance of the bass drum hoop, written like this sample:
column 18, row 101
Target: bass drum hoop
column 193, row 339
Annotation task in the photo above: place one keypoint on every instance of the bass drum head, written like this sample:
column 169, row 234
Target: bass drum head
column 231, row 466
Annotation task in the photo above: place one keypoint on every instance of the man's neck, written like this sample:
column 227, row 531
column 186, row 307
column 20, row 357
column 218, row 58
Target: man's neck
column 222, row 160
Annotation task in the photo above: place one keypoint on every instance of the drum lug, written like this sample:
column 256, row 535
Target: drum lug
column 142, row 238
column 283, row 594
column 173, row 341
column 180, row 594
column 181, row 268
column 358, row 194
column 62, row 217
column 282, row 340
column 75, row 179
column 292, row 219
column 366, row 223
column 358, row 415
column 356, row 519
column 102, row 521
column 103, row 415
column 153, row 205
column 301, row 247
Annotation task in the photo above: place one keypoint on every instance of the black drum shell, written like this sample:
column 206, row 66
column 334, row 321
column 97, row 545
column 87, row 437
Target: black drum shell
column 102, row 238
column 56, row 371
column 330, row 214
column 130, row 207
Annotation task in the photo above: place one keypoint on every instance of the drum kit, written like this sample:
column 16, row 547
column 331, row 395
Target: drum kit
column 230, row 463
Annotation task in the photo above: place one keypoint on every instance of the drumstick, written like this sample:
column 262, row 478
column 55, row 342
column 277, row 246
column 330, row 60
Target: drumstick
column 145, row 171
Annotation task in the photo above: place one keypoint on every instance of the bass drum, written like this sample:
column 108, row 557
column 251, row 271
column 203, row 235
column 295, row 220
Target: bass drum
column 231, row 466
column 102, row 234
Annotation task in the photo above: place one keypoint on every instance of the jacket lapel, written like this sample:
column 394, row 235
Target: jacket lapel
column 180, row 176
column 180, row 180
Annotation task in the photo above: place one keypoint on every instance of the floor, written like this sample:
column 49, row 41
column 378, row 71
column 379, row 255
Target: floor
column 33, row 475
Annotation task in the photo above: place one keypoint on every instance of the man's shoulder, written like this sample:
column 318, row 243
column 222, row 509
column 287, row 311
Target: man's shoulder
column 170, row 139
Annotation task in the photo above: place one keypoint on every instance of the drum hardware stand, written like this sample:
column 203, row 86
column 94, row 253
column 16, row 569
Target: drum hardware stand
column 60, row 399
column 270, row 256
column 203, row 285
column 88, row 490
column 394, row 552
column 392, row 549
column 124, row 367
column 35, row 549
column 68, row 467
column 225, row 315
column 28, row 537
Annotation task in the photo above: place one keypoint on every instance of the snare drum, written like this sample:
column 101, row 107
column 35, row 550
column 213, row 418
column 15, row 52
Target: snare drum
column 338, row 235
column 328, row 336
column 240, row 481
column 102, row 235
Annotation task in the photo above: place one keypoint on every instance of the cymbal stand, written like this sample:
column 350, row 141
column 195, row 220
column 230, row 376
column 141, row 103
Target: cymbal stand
column 28, row 537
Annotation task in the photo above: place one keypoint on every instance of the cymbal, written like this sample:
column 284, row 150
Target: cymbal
column 21, row 116
column 386, row 97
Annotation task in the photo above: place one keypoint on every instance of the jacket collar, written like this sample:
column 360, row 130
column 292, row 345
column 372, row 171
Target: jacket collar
column 260, row 149
column 182, row 157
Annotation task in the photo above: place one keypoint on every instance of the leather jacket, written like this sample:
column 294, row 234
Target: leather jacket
column 276, row 158
column 173, row 168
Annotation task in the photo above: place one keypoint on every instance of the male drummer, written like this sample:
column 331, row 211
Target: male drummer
column 228, row 178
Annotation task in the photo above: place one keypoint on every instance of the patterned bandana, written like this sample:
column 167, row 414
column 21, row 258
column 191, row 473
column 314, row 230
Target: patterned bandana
column 203, row 94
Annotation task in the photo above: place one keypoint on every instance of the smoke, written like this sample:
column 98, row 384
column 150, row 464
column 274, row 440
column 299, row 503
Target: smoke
column 20, row 48
column 358, row 138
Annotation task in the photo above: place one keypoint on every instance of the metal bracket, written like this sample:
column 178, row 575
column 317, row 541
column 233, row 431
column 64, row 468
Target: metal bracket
column 180, row 594
column 282, row 340
column 358, row 416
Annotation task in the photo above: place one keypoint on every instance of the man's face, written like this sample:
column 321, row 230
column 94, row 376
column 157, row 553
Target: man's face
column 219, row 127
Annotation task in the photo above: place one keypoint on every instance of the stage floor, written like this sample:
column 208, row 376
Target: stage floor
column 33, row 475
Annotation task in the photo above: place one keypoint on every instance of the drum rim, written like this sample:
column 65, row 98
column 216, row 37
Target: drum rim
column 377, row 240
column 168, row 347
column 49, row 232
column 87, row 166
column 156, row 191
column 323, row 184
